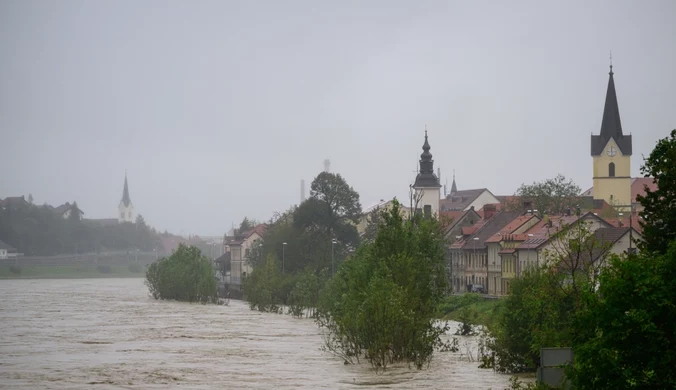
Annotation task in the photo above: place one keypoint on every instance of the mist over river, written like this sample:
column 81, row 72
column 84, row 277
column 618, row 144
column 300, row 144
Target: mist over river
column 109, row 334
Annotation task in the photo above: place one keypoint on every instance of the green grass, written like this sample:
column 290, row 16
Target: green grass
column 479, row 310
column 69, row 272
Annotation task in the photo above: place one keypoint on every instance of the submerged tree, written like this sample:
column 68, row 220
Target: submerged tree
column 382, row 303
column 186, row 275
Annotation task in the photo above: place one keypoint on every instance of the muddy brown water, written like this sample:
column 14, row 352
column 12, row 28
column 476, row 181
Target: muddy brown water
column 109, row 334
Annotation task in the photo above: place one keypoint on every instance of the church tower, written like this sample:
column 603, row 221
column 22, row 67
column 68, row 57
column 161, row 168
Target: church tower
column 126, row 209
column 611, row 152
column 426, row 185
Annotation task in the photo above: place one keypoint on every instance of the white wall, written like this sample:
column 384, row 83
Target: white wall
column 485, row 198
column 3, row 253
column 125, row 214
column 430, row 196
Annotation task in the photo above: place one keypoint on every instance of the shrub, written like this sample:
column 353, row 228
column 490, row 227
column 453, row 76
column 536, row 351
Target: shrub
column 186, row 275
column 104, row 269
column 135, row 268
column 16, row 270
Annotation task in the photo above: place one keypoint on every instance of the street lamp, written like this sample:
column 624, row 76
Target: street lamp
column 474, row 265
column 333, row 242
column 283, row 255
column 537, row 265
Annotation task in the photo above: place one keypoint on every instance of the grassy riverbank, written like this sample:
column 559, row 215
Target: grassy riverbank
column 472, row 308
column 70, row 272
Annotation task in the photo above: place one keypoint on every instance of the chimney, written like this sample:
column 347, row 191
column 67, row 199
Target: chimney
column 489, row 211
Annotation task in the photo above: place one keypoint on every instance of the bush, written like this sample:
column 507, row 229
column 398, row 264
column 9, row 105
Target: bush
column 186, row 275
column 135, row 268
column 104, row 269
column 16, row 270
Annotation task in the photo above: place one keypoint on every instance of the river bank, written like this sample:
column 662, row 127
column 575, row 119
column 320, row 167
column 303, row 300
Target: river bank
column 81, row 271
column 472, row 308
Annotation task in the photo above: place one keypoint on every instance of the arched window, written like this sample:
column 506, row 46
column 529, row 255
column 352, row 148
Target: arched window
column 611, row 169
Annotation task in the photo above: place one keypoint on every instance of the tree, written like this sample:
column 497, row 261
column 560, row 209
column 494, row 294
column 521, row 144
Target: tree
column 624, row 339
column 382, row 303
column 659, row 206
column 246, row 225
column 140, row 221
column 74, row 212
column 186, row 275
column 333, row 208
column 30, row 199
column 552, row 196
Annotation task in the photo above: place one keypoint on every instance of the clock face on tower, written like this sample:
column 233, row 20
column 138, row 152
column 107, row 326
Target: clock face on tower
column 611, row 151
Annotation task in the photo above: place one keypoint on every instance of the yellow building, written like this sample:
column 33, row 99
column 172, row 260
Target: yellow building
column 611, row 152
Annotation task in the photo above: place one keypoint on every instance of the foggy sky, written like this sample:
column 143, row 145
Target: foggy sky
column 217, row 109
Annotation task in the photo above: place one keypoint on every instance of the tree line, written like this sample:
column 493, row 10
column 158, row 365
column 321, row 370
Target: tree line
column 38, row 231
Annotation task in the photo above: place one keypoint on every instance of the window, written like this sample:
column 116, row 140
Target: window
column 246, row 252
column 122, row 215
column 611, row 169
column 428, row 210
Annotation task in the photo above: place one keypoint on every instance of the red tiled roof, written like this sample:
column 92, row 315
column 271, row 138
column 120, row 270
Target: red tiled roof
column 510, row 227
column 623, row 221
column 498, row 207
column 467, row 230
column 638, row 185
column 454, row 215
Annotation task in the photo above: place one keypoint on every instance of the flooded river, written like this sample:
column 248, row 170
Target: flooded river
column 109, row 334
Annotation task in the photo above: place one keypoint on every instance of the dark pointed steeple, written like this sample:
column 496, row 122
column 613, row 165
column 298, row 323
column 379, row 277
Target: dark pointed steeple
column 454, row 188
column 426, row 176
column 611, row 126
column 125, row 193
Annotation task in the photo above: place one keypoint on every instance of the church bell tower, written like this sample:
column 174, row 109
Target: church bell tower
column 611, row 153
column 426, row 185
column 126, row 208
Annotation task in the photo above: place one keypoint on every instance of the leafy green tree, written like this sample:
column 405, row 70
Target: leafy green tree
column 373, row 222
column 551, row 196
column 659, row 213
column 186, row 275
column 625, row 337
column 333, row 208
column 382, row 303
column 262, row 285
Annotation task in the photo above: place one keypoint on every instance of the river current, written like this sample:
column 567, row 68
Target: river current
column 109, row 334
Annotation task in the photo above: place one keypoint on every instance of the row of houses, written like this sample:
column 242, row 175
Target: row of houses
column 489, row 248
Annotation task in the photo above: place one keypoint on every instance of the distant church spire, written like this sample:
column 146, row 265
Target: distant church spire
column 426, row 176
column 125, row 193
column 611, row 126
column 126, row 208
column 454, row 188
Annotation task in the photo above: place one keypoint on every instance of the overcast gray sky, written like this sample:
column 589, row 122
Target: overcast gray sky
column 217, row 109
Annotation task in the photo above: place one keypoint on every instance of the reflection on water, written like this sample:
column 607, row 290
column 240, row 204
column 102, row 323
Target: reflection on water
column 109, row 334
